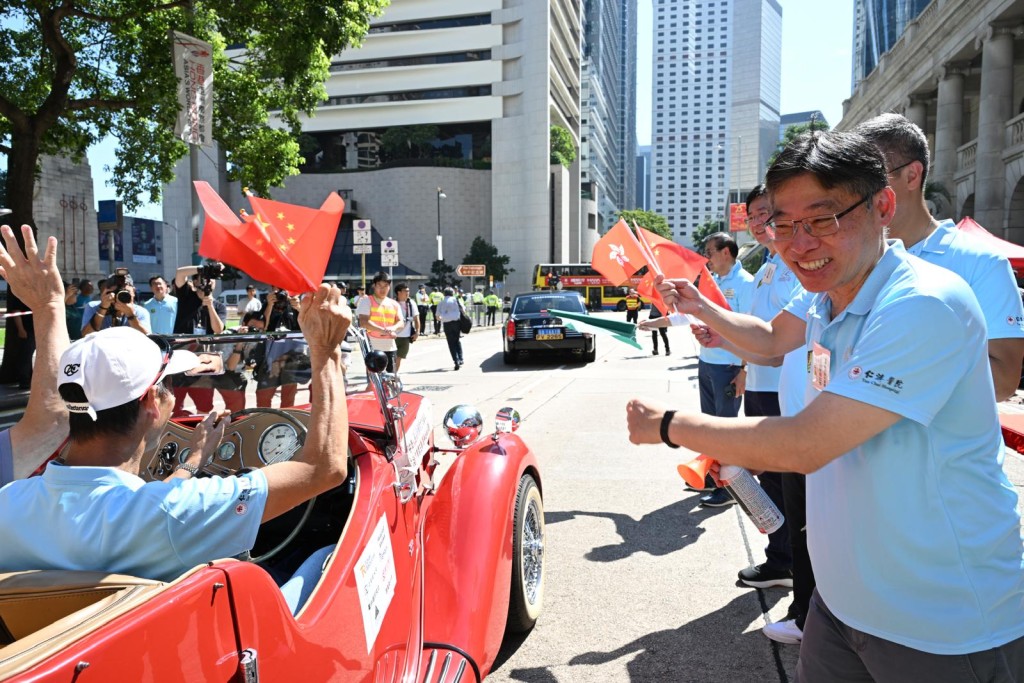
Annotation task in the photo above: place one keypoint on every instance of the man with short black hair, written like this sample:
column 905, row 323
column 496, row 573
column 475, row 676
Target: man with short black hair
column 912, row 524
column 382, row 318
column 940, row 242
column 162, row 308
column 252, row 303
column 116, row 307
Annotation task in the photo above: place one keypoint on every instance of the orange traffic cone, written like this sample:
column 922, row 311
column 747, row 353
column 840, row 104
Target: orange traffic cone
column 694, row 472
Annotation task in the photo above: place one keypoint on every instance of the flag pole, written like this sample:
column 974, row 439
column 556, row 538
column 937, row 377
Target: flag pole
column 645, row 247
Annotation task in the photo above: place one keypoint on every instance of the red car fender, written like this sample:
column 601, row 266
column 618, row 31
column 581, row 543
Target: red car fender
column 467, row 584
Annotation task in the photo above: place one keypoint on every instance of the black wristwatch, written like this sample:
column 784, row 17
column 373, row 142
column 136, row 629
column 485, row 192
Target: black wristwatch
column 665, row 420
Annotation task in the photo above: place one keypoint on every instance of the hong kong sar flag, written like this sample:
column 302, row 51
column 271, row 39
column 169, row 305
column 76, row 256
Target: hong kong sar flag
column 617, row 255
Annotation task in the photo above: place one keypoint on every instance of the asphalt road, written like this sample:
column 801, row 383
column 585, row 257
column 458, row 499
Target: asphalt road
column 641, row 582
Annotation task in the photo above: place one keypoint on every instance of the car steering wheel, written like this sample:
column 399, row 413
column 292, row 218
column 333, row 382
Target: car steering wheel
column 301, row 432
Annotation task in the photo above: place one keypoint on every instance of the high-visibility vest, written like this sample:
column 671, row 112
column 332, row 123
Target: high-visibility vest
column 492, row 301
column 632, row 303
column 382, row 313
column 478, row 297
column 436, row 297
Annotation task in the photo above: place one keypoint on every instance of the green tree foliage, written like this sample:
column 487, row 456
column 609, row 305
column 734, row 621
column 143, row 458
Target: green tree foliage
column 563, row 151
column 442, row 275
column 709, row 227
column 409, row 142
column 654, row 222
column 482, row 251
column 75, row 71
column 792, row 133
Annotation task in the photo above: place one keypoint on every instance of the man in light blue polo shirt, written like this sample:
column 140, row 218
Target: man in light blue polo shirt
column 988, row 273
column 912, row 524
column 109, row 518
column 37, row 282
column 721, row 373
column 162, row 308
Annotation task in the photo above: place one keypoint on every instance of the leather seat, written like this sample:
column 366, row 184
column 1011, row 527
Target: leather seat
column 32, row 600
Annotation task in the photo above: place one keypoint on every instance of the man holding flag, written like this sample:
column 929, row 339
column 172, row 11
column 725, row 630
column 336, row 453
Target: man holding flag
column 912, row 524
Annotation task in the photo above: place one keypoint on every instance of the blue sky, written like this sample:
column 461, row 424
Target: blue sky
column 816, row 57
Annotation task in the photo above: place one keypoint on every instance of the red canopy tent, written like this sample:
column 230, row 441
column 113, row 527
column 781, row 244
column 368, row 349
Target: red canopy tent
column 1012, row 251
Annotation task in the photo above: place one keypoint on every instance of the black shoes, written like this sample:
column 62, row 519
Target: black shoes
column 719, row 498
column 763, row 576
column 655, row 352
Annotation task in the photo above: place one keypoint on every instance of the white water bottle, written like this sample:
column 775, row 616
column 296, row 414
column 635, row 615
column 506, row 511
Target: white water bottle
column 742, row 486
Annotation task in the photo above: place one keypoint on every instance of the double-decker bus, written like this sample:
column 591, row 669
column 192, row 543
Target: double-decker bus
column 598, row 292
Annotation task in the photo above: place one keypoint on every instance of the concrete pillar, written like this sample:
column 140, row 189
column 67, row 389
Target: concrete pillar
column 917, row 113
column 995, row 109
column 949, row 125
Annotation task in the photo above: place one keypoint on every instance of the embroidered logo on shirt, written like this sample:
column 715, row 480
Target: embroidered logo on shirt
column 1014, row 321
column 855, row 372
column 882, row 381
column 246, row 490
column 241, row 509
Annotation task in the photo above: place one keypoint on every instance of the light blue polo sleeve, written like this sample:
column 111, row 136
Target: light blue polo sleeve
column 6, row 458
column 996, row 289
column 143, row 315
column 912, row 375
column 214, row 517
column 800, row 304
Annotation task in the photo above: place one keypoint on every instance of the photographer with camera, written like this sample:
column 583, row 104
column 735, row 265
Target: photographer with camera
column 282, row 357
column 116, row 307
column 198, row 313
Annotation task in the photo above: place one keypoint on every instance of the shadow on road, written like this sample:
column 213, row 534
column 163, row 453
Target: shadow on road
column 552, row 361
column 657, row 533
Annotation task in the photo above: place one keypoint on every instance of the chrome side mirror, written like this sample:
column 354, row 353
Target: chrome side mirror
column 392, row 386
column 507, row 420
column 463, row 423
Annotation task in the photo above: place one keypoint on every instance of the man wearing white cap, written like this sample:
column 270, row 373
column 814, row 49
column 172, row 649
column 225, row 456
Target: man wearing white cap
column 110, row 519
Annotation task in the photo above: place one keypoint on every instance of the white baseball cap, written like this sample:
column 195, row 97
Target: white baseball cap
column 118, row 365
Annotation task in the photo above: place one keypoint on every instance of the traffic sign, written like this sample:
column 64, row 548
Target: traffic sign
column 466, row 270
column 389, row 247
column 361, row 237
column 361, row 225
column 389, row 260
column 362, row 248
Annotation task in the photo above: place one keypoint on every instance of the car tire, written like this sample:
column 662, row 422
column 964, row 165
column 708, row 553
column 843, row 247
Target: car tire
column 527, row 594
column 590, row 356
column 509, row 357
column 621, row 306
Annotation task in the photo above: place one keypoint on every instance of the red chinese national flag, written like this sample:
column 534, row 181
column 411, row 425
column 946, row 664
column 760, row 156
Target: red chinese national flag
column 307, row 235
column 709, row 288
column 289, row 252
column 617, row 256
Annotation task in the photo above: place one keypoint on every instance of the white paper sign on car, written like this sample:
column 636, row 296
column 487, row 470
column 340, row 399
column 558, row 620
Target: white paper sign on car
column 375, row 580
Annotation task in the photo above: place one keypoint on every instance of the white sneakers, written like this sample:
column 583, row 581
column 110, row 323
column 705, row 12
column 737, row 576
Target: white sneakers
column 784, row 632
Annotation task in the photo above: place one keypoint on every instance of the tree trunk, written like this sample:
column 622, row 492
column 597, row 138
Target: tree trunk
column 21, row 183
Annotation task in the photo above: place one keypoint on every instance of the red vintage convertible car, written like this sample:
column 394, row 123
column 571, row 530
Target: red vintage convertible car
column 437, row 553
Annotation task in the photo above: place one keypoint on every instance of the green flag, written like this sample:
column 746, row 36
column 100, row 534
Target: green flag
column 581, row 322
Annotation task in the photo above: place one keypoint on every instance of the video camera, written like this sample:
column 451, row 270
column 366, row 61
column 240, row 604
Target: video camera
column 206, row 272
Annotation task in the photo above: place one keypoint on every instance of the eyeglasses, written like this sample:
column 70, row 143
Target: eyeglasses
column 893, row 170
column 815, row 226
column 166, row 351
column 758, row 221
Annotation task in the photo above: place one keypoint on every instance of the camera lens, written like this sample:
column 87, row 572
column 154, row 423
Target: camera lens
column 124, row 296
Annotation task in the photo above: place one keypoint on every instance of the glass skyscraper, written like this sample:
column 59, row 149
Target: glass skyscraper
column 877, row 25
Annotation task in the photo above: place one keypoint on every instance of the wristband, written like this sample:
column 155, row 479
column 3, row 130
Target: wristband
column 191, row 469
column 665, row 420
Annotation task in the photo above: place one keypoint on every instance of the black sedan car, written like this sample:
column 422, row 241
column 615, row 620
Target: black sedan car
column 530, row 328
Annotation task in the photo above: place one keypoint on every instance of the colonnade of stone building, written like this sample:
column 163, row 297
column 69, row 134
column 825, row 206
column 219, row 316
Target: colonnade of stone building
column 964, row 86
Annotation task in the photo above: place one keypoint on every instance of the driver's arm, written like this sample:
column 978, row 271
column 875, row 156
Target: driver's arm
column 322, row 464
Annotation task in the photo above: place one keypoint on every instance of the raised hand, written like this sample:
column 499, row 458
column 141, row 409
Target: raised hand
column 36, row 281
column 324, row 318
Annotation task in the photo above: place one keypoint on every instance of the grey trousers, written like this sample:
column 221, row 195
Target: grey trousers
column 832, row 652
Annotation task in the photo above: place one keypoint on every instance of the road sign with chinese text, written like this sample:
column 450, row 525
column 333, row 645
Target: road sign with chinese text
column 466, row 270
column 362, row 249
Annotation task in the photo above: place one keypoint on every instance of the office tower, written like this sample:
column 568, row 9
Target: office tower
column 643, row 177
column 877, row 25
column 715, row 117
column 608, row 105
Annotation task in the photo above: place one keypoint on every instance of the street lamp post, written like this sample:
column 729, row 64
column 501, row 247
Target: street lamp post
column 440, row 195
